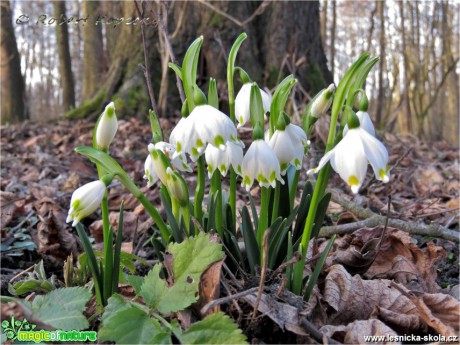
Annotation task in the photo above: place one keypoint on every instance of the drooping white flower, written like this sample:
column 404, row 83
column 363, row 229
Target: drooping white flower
column 221, row 160
column 365, row 122
column 351, row 155
column 323, row 102
column 107, row 127
column 150, row 174
column 242, row 103
column 289, row 146
column 204, row 125
column 85, row 200
column 260, row 163
column 179, row 163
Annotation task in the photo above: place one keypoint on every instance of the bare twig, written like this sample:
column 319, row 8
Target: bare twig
column 372, row 219
column 315, row 333
column 243, row 23
column 164, row 29
column 146, row 69
column 227, row 299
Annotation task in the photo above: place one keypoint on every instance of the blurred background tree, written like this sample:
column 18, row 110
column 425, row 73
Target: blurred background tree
column 414, row 89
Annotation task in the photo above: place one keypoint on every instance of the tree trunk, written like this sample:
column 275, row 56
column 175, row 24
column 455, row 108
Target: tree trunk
column 405, row 119
column 65, row 62
column 93, row 52
column 334, row 22
column 381, row 96
column 13, row 103
column 324, row 22
column 283, row 38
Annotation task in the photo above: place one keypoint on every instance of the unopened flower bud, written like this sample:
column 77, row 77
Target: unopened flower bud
column 107, row 127
column 177, row 186
column 323, row 102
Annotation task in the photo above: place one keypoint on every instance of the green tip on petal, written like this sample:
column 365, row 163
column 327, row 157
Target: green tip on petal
column 110, row 111
column 281, row 123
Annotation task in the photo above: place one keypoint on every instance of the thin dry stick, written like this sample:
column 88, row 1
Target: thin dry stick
column 295, row 258
column 372, row 220
column 164, row 29
column 256, row 13
column 146, row 69
column 227, row 299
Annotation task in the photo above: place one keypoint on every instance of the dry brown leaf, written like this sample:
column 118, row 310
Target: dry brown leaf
column 358, row 259
column 354, row 332
column 400, row 259
column 283, row 314
column 54, row 241
column 352, row 298
column 209, row 288
column 441, row 312
column 11, row 208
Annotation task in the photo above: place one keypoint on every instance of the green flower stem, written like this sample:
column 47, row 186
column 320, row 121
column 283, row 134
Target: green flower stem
column 276, row 202
column 216, row 189
column 293, row 188
column 199, row 192
column 263, row 217
column 108, row 249
column 231, row 104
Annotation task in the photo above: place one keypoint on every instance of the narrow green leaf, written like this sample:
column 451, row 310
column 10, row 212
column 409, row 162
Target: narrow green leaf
column 319, row 266
column 320, row 214
column 255, row 217
column 250, row 241
column 117, row 250
column 279, row 100
column 176, row 232
column 217, row 328
column 176, row 69
column 213, row 97
column 256, row 106
column 189, row 67
column 289, row 255
column 157, row 132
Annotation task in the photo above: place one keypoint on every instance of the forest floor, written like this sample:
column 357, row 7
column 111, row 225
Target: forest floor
column 415, row 267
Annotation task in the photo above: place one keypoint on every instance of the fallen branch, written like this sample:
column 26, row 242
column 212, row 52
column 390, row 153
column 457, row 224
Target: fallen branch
column 227, row 299
column 372, row 220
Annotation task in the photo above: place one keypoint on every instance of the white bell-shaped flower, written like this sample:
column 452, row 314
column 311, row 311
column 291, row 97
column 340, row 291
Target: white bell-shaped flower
column 179, row 163
column 260, row 163
column 156, row 164
column 351, row 155
column 242, row 103
column 150, row 174
column 289, row 146
column 364, row 121
column 85, row 200
column 222, row 160
column 204, row 125
column 106, row 127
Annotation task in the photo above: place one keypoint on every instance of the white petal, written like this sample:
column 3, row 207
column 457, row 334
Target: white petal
column 377, row 155
column 242, row 107
column 350, row 161
column 365, row 123
column 328, row 156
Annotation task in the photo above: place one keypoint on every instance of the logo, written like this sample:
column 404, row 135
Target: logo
column 13, row 327
column 25, row 331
